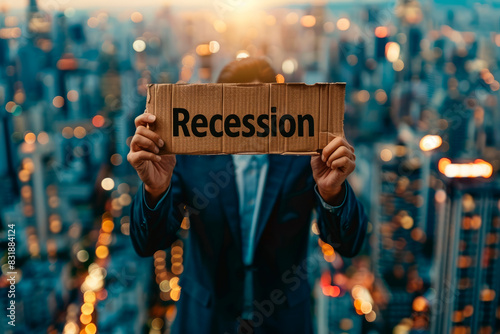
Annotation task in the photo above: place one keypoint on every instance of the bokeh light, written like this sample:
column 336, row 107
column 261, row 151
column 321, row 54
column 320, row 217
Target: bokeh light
column 343, row 24
column 107, row 183
column 139, row 45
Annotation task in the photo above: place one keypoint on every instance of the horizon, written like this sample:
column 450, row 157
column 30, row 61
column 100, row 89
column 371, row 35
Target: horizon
column 89, row 4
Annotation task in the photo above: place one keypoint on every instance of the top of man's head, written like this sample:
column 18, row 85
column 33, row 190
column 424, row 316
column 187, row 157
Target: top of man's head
column 247, row 70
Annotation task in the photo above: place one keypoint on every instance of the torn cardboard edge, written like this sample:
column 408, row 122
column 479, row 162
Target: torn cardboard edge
column 257, row 118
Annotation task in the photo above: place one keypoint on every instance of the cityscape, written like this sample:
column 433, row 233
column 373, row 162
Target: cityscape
column 421, row 108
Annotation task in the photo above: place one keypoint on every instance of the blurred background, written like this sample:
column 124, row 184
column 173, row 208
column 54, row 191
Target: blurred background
column 421, row 109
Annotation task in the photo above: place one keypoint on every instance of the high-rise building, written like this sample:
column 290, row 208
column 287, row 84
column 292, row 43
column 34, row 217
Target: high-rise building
column 467, row 258
column 400, row 226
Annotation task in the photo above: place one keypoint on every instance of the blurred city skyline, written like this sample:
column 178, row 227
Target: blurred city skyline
column 253, row 4
column 85, row 4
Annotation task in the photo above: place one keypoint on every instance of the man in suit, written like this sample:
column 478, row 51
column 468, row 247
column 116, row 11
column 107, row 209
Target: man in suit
column 245, row 264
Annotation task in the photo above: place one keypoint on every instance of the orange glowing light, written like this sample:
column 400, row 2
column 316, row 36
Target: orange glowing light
column 478, row 168
column 392, row 50
column 430, row 142
column 381, row 32
column 174, row 283
column 327, row 249
column 308, row 21
column 87, row 308
column 203, row 50
column 487, row 295
column 488, row 78
column 357, row 304
column 386, row 154
column 443, row 162
column 90, row 328
column 175, row 294
column 420, row 304
column 9, row 106
column 24, row 175
column 468, row 311
column 89, row 297
column 30, row 138
column 331, row 290
column 343, row 24
column 102, row 252
column 475, row 222
column 326, row 279
column 98, row 121
column 79, row 132
column 136, row 17
column 107, row 226
column 85, row 318
column 366, row 307
column 58, row 101
column 67, row 64
column 19, row 97
column 177, row 268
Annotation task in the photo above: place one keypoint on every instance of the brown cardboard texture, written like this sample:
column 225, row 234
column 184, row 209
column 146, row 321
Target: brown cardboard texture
column 291, row 118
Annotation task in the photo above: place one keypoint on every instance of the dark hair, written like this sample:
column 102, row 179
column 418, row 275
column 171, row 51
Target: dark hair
column 247, row 70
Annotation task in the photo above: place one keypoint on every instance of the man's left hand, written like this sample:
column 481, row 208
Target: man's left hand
column 331, row 168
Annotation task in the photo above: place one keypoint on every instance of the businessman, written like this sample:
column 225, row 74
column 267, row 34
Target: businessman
column 244, row 267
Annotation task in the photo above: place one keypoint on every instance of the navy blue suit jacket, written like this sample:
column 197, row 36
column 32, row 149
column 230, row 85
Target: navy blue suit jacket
column 212, row 280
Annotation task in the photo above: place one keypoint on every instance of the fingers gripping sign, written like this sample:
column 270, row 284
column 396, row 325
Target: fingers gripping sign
column 332, row 167
column 153, row 169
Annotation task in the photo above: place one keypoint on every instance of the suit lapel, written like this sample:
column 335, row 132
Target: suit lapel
column 229, row 195
column 277, row 171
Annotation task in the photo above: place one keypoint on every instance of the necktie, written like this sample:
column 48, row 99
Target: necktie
column 248, row 205
column 251, row 182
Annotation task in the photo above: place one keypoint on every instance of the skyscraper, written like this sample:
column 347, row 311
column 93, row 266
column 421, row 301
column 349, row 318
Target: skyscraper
column 467, row 275
column 400, row 227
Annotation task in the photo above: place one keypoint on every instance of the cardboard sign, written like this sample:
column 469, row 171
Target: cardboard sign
column 246, row 118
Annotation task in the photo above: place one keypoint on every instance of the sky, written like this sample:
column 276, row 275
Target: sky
column 107, row 3
column 63, row 4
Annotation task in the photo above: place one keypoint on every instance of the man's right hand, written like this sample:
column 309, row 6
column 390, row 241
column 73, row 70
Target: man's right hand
column 153, row 169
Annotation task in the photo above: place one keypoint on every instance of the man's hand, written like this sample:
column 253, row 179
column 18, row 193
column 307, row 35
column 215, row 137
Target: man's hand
column 153, row 169
column 331, row 168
